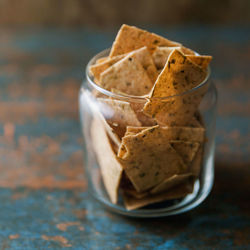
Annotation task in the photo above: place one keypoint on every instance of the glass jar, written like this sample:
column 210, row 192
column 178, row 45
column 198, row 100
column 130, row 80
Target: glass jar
column 104, row 119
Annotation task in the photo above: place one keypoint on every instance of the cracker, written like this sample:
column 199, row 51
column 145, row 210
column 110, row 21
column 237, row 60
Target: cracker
column 171, row 182
column 176, row 193
column 148, row 159
column 146, row 60
column 111, row 168
column 178, row 76
column 172, row 133
column 130, row 38
column 175, row 111
column 118, row 114
column 161, row 54
column 128, row 76
column 202, row 61
column 185, row 140
column 98, row 68
column 186, row 149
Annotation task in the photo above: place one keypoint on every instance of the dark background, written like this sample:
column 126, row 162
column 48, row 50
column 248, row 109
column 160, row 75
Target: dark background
column 112, row 13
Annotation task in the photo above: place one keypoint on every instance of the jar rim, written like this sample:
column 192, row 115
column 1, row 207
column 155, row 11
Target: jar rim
column 106, row 92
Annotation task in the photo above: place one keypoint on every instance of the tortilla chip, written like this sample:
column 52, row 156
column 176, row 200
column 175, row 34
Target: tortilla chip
column 98, row 68
column 178, row 76
column 130, row 38
column 127, row 76
column 175, row 193
column 171, row 182
column 202, row 61
column 118, row 114
column 186, row 149
column 172, row 133
column 197, row 161
column 111, row 168
column 148, row 159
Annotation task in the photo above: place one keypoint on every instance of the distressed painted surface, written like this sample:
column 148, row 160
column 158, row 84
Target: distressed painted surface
column 43, row 198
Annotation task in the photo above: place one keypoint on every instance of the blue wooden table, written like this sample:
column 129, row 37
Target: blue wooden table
column 43, row 193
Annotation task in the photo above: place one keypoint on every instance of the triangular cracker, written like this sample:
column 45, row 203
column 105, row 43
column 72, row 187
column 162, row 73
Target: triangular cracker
column 149, row 159
column 111, row 168
column 130, row 38
column 178, row 76
column 127, row 75
column 146, row 60
column 175, row 193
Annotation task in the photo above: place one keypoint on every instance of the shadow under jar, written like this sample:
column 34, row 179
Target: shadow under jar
column 107, row 118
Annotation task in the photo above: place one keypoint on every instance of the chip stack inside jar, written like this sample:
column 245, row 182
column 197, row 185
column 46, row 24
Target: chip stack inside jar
column 152, row 147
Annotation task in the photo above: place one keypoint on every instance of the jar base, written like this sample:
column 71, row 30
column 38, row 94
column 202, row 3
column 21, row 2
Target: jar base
column 202, row 188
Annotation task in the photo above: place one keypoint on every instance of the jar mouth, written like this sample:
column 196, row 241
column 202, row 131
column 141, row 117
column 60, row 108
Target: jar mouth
column 106, row 92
